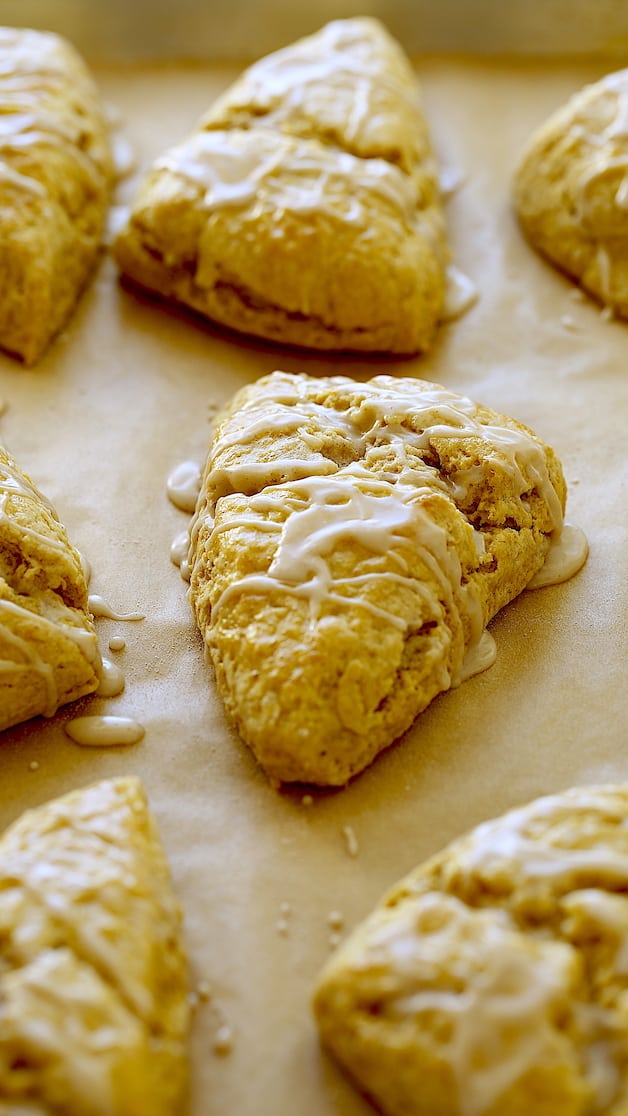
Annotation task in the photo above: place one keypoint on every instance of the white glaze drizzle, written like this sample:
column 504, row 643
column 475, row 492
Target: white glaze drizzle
column 183, row 485
column 111, row 680
column 45, row 134
column 344, row 64
column 252, row 475
column 461, row 294
column 98, row 606
column 236, row 169
column 499, row 1003
column 30, row 68
column 379, row 516
column 510, row 840
column 22, row 182
column 566, row 555
column 179, row 551
column 124, row 157
column 450, row 179
column 86, row 567
column 617, row 82
column 104, row 731
column 478, row 657
column 286, row 419
column 286, row 75
column 603, row 911
column 26, row 656
column 117, row 219
column 376, row 413
column 117, row 643
column 61, row 621
column 113, row 114
column 382, row 511
column 498, row 986
column 15, row 483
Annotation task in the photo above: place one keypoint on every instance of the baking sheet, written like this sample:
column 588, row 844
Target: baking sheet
column 126, row 394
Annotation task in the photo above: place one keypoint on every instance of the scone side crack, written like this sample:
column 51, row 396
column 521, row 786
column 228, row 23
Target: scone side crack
column 224, row 289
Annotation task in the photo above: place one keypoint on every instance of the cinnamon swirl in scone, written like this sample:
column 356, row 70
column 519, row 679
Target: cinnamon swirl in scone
column 493, row 980
column 571, row 190
column 48, row 648
column 93, row 982
column 350, row 544
column 305, row 207
column 55, row 180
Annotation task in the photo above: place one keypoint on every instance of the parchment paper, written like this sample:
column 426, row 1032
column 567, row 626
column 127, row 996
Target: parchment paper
column 125, row 395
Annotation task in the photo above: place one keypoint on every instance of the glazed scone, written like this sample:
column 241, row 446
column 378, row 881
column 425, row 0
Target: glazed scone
column 305, row 208
column 55, row 181
column 48, row 648
column 93, row 977
column 350, row 544
column 493, row 980
column 571, row 190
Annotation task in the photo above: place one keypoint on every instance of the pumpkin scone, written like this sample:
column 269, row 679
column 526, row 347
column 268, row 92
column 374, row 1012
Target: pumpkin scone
column 493, row 980
column 93, row 977
column 571, row 190
column 305, row 207
column 48, row 648
column 56, row 175
column 350, row 544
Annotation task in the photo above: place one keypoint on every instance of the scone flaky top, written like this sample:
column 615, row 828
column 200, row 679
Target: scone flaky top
column 350, row 544
column 56, row 173
column 349, row 85
column 306, row 206
column 93, row 980
column 493, row 979
column 571, row 189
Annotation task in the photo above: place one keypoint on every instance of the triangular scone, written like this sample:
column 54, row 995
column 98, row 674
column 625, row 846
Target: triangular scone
column 350, row 544
column 493, row 980
column 48, row 649
column 571, row 190
column 55, row 180
column 93, row 981
column 305, row 208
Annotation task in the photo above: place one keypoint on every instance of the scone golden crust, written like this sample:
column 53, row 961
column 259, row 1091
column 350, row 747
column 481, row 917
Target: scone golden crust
column 93, row 981
column 571, row 190
column 48, row 648
column 493, row 980
column 305, row 208
column 55, row 180
column 350, row 544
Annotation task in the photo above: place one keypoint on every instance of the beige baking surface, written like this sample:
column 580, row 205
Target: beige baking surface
column 124, row 396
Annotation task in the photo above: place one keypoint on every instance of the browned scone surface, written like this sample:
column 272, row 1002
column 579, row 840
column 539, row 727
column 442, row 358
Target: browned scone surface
column 93, row 982
column 493, row 980
column 350, row 544
column 571, row 189
column 48, row 645
column 55, row 181
column 305, row 208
